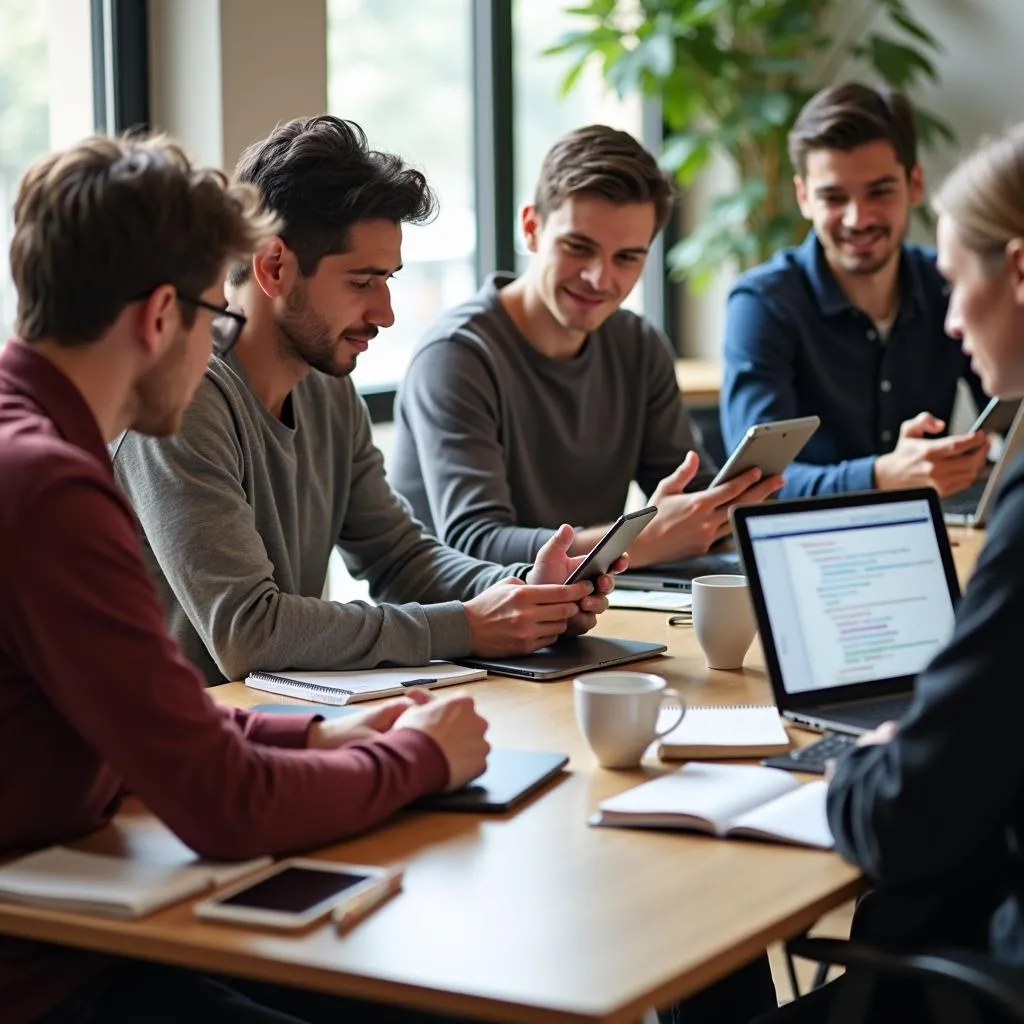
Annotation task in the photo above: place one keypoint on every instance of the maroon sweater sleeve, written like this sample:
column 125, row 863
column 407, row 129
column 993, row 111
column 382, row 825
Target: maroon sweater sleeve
column 90, row 632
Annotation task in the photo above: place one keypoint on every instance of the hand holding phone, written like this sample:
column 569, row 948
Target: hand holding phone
column 616, row 540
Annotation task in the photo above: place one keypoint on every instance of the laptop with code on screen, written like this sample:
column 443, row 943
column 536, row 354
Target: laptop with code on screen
column 854, row 595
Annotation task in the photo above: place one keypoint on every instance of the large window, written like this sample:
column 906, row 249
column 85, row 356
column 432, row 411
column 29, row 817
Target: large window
column 403, row 71
column 45, row 101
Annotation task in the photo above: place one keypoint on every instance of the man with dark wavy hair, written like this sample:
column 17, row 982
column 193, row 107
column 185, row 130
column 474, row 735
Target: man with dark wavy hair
column 275, row 463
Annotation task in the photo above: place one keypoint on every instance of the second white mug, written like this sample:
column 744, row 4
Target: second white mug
column 723, row 619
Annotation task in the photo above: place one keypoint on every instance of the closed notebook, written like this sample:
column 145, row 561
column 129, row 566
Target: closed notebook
column 726, row 800
column 367, row 684
column 63, row 878
column 752, row 730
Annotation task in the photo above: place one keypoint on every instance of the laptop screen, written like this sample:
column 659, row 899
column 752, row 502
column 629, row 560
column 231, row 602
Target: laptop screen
column 853, row 594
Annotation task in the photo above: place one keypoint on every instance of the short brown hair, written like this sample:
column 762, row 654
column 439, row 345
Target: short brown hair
column 847, row 116
column 102, row 224
column 319, row 175
column 605, row 162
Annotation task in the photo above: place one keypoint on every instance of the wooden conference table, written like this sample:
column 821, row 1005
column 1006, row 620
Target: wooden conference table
column 700, row 380
column 532, row 915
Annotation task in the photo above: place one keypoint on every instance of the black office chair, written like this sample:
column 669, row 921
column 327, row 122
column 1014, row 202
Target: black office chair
column 954, row 980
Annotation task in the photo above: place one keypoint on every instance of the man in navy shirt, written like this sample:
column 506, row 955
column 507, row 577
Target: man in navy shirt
column 849, row 325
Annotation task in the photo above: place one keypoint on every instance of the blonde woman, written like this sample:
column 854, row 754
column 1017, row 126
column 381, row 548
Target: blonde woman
column 932, row 807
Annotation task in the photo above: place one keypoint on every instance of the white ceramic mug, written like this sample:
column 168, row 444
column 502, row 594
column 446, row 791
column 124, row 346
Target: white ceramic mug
column 723, row 619
column 617, row 712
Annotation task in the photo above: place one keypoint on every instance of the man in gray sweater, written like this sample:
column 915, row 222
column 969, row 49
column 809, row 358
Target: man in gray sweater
column 539, row 401
column 274, row 464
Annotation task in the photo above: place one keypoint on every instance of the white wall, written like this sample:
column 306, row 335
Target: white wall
column 981, row 92
column 224, row 72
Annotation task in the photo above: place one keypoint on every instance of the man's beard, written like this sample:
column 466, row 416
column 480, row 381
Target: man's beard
column 158, row 414
column 304, row 335
column 857, row 266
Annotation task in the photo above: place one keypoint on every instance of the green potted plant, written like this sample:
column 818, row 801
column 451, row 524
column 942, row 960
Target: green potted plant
column 731, row 76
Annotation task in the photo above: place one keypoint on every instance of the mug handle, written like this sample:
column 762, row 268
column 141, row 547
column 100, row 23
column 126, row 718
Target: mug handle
column 677, row 697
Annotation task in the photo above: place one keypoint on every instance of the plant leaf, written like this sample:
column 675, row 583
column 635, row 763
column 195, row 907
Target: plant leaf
column 898, row 65
column 684, row 154
column 914, row 28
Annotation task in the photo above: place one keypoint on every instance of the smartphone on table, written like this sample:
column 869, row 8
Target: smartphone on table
column 769, row 447
column 617, row 538
column 298, row 891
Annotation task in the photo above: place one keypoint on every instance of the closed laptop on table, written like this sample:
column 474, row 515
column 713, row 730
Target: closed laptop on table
column 854, row 595
column 679, row 576
column 568, row 657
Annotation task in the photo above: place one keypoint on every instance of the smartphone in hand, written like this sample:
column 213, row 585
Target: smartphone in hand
column 603, row 555
column 997, row 417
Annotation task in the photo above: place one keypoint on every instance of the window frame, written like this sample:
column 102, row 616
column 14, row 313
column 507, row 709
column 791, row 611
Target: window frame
column 120, row 65
column 120, row 30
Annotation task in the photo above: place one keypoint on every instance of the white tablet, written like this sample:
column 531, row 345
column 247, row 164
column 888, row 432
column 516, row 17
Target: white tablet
column 770, row 447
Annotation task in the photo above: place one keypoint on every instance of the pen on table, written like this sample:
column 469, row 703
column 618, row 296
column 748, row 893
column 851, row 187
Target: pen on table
column 369, row 899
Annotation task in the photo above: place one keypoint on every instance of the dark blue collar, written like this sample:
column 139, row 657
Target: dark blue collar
column 832, row 299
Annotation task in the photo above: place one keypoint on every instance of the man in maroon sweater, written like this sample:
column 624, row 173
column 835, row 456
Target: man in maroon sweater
column 119, row 255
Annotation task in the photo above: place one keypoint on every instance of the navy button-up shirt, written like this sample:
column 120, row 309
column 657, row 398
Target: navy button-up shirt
column 796, row 346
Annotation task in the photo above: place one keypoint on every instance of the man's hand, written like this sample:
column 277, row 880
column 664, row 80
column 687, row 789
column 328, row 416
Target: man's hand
column 363, row 725
column 949, row 464
column 885, row 733
column 514, row 617
column 454, row 725
column 554, row 564
column 688, row 524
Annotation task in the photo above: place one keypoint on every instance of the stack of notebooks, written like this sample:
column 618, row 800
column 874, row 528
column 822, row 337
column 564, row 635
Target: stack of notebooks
column 365, row 684
column 744, row 731
column 155, row 870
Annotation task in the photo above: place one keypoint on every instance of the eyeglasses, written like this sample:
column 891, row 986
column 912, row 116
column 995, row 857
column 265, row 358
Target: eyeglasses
column 225, row 327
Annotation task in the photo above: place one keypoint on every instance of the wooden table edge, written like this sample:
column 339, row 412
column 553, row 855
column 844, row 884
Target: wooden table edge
column 107, row 935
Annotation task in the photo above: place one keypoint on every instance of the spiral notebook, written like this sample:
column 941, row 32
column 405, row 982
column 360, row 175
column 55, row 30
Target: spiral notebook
column 752, row 730
column 367, row 684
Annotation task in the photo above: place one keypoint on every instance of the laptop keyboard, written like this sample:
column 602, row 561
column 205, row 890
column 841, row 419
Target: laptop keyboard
column 965, row 502
column 814, row 757
column 867, row 714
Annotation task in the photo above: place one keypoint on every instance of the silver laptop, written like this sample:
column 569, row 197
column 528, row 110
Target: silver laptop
column 679, row 576
column 568, row 657
column 971, row 507
column 854, row 595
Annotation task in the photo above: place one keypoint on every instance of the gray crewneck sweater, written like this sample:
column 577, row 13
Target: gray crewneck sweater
column 240, row 512
column 498, row 444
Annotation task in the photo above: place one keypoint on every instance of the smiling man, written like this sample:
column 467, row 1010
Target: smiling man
column 849, row 325
column 540, row 400
column 275, row 465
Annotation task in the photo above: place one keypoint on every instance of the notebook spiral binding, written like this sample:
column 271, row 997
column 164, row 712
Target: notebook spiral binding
column 300, row 687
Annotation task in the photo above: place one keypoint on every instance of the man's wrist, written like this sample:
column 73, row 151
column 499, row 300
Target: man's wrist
column 879, row 473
